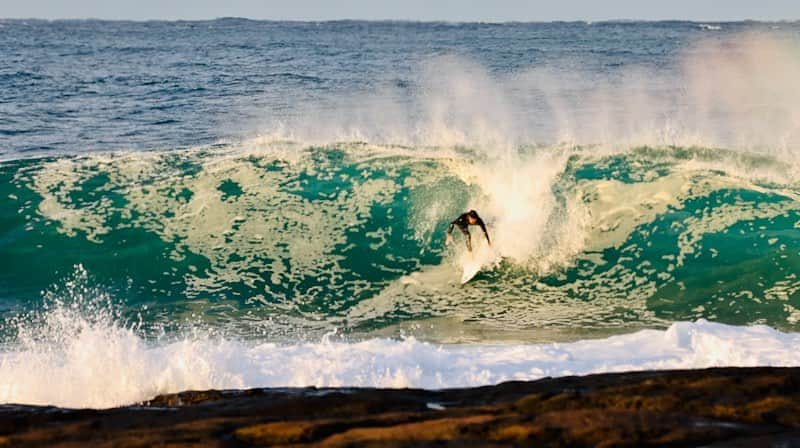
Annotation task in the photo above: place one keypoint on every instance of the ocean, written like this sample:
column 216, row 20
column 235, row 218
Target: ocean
column 234, row 204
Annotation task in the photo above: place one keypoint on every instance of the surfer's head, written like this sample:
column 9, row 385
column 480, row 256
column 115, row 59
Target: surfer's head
column 472, row 216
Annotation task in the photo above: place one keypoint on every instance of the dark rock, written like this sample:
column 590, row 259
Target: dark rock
column 742, row 407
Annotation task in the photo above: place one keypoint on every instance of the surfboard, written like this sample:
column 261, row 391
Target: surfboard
column 470, row 270
column 482, row 256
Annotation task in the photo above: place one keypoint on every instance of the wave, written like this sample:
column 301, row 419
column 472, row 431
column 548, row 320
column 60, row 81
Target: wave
column 276, row 238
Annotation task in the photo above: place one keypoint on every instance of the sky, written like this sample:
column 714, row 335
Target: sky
column 447, row 10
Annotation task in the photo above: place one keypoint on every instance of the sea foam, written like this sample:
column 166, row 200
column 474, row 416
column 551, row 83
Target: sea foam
column 103, row 365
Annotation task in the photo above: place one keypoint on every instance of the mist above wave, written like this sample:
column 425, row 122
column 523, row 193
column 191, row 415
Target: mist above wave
column 732, row 91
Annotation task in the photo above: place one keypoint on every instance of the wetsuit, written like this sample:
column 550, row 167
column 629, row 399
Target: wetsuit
column 463, row 224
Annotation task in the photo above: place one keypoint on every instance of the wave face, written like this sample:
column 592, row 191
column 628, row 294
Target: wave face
column 282, row 239
column 235, row 203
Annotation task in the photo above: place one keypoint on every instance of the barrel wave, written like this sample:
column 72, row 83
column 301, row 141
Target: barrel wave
column 269, row 238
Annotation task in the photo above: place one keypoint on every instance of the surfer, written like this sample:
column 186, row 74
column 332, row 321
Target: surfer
column 463, row 222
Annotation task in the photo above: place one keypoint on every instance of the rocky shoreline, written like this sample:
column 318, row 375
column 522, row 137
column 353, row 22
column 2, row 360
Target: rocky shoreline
column 739, row 407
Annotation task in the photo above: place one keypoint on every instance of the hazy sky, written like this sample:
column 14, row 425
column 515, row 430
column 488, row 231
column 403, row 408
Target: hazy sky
column 451, row 10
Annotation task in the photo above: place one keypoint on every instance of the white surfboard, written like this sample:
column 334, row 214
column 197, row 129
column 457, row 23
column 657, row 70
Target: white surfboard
column 482, row 256
column 470, row 270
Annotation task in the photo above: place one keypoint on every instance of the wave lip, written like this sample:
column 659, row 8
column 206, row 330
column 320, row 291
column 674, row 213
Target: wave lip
column 128, row 370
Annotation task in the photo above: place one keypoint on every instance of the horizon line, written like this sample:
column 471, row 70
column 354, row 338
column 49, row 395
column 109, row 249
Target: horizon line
column 388, row 20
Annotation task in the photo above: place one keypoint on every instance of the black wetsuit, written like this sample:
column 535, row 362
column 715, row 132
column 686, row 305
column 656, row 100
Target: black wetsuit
column 463, row 224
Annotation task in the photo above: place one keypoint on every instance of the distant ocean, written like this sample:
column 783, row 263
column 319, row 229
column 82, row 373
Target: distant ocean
column 235, row 203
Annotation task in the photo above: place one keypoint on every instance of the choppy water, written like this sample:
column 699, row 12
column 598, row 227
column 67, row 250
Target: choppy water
column 231, row 194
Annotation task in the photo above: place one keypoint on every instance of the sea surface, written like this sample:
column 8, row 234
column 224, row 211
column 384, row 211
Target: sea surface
column 236, row 203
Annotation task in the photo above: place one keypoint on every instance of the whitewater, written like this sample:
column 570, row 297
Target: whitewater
column 268, row 210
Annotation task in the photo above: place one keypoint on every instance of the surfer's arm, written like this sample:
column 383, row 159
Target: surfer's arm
column 485, row 233
column 448, row 236
column 467, row 237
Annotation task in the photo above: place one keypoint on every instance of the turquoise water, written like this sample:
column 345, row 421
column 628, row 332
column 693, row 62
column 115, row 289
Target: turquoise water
column 305, row 240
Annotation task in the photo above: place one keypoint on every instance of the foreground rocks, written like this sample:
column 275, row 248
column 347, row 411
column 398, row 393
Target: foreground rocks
column 739, row 407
